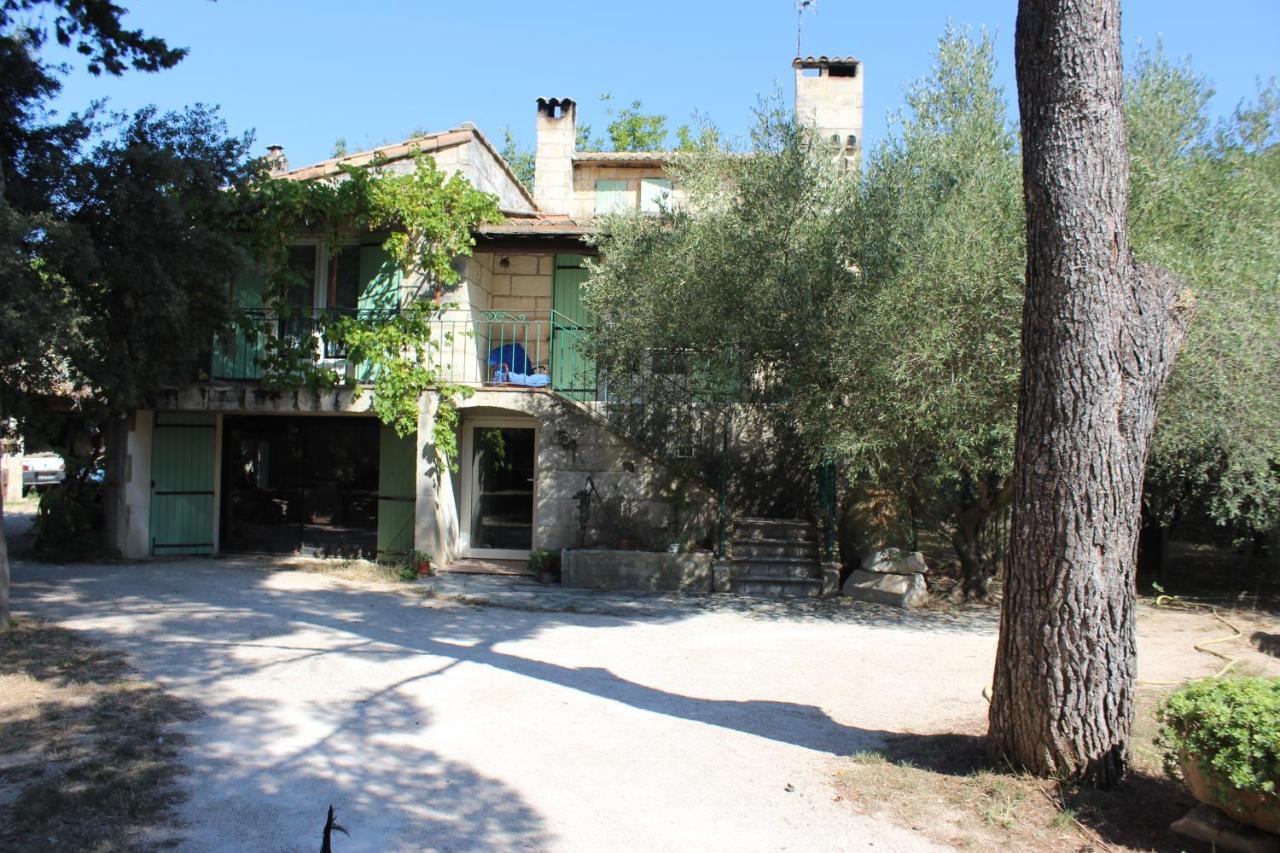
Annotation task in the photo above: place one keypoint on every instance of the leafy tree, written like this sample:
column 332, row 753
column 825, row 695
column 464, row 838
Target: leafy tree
column 1206, row 204
column 629, row 129
column 53, row 330
column 884, row 312
column 757, row 263
column 1100, row 335
column 932, row 346
column 521, row 160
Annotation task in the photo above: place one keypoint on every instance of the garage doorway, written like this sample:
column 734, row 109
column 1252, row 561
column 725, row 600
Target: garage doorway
column 300, row 485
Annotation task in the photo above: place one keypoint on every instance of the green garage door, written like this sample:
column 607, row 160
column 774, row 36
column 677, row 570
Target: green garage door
column 182, row 457
column 397, row 472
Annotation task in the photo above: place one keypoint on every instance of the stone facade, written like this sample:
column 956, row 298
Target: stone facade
column 657, row 507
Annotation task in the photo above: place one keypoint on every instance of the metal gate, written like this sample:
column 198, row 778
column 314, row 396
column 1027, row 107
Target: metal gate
column 182, row 466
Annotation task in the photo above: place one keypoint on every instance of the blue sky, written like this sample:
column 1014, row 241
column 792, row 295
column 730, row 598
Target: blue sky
column 303, row 74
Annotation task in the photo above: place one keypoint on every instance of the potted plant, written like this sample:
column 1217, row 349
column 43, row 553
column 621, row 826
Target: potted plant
column 545, row 565
column 422, row 560
column 1222, row 736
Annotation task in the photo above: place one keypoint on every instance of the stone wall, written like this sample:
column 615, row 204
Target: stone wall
column 660, row 508
column 636, row 570
column 585, row 175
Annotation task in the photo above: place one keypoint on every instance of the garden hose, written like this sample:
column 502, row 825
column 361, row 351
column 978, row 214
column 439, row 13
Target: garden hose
column 1228, row 661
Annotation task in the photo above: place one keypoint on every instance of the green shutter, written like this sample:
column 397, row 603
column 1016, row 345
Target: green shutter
column 182, row 457
column 613, row 196
column 572, row 373
column 397, row 495
column 379, row 280
column 655, row 193
column 241, row 356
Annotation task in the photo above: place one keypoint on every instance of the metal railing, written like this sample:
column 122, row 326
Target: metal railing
column 537, row 349
column 543, row 349
column 244, row 355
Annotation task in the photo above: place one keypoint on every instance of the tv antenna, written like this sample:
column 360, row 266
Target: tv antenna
column 803, row 6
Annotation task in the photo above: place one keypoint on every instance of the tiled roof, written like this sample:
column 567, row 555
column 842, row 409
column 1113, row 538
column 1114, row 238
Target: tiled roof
column 546, row 225
column 624, row 156
column 398, row 150
column 392, row 151
column 812, row 61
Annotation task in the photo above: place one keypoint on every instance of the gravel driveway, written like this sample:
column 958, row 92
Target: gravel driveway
column 433, row 725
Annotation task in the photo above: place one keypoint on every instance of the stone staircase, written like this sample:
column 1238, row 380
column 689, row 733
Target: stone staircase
column 776, row 558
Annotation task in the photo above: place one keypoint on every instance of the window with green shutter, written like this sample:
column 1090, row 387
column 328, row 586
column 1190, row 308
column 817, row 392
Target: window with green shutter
column 655, row 194
column 612, row 196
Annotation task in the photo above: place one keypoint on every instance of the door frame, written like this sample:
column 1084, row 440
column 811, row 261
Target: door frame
column 467, row 477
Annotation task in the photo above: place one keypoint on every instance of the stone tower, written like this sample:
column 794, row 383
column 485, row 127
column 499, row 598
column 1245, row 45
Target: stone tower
column 829, row 98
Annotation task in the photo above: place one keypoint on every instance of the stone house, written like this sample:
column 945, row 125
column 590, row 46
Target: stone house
column 226, row 465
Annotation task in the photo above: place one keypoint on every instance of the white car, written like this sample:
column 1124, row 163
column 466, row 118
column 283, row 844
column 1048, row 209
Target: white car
column 41, row 470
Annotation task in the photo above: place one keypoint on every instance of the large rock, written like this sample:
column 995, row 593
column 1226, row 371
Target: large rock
column 895, row 561
column 895, row 590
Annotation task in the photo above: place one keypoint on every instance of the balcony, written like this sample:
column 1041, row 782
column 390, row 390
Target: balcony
column 541, row 349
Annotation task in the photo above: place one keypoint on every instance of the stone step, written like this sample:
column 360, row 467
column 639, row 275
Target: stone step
column 778, row 588
column 791, row 530
column 773, row 548
column 792, row 569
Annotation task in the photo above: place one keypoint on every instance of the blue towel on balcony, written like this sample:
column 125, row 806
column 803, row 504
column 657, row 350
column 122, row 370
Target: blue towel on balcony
column 529, row 380
column 512, row 367
column 509, row 357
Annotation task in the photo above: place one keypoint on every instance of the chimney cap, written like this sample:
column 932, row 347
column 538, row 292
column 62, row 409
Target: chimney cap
column 825, row 62
column 555, row 102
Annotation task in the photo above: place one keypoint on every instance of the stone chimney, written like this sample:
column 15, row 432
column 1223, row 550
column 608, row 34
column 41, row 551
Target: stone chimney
column 829, row 99
column 276, row 159
column 553, row 162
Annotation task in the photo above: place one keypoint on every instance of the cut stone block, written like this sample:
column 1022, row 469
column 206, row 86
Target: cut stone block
column 1207, row 824
column 895, row 561
column 830, row 579
column 895, row 590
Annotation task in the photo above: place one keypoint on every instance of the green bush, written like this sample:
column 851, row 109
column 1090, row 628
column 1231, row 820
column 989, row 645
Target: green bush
column 69, row 521
column 1230, row 725
column 541, row 560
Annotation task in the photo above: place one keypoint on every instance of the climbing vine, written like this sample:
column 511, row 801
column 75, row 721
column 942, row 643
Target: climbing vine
column 425, row 218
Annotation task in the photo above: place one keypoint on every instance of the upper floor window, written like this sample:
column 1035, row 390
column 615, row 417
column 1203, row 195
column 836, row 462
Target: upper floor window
column 614, row 196
column 655, row 194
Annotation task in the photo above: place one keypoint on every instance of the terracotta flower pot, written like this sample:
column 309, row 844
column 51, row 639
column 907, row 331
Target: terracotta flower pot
column 424, row 568
column 1260, row 810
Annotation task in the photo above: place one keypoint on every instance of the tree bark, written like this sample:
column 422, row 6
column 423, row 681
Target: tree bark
column 977, row 567
column 1099, row 338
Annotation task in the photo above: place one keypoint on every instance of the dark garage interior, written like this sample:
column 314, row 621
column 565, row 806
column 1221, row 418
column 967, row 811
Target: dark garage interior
column 300, row 485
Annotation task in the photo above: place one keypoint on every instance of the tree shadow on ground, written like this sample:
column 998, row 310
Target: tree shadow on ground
column 89, row 754
column 264, row 779
column 1133, row 815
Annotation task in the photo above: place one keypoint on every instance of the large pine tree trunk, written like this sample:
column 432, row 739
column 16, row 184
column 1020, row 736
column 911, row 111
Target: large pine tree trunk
column 1099, row 337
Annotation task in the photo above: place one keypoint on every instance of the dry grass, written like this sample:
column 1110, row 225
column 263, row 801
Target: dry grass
column 88, row 758
column 365, row 571
column 944, row 787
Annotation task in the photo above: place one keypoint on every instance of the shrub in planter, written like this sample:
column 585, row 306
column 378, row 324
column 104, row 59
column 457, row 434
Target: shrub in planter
column 1222, row 736
column 545, row 565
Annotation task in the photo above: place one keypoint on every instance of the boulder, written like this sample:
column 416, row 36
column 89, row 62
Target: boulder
column 895, row 561
column 895, row 590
